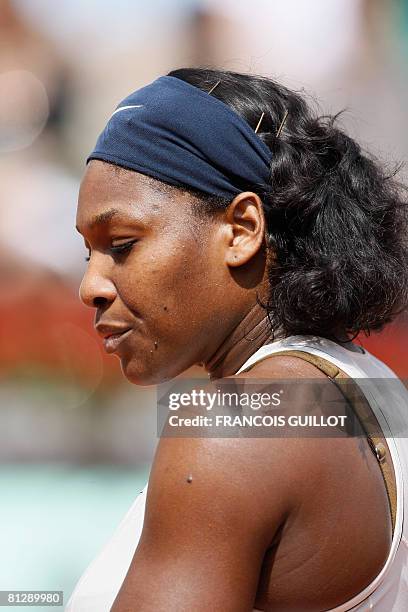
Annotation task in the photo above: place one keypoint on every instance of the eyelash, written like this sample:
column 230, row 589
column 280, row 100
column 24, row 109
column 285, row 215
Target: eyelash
column 118, row 250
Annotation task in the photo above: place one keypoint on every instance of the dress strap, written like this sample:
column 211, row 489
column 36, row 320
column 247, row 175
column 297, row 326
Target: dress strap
column 361, row 407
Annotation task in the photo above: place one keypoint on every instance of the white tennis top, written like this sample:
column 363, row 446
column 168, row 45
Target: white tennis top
column 388, row 592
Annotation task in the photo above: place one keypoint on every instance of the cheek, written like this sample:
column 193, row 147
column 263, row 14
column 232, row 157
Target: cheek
column 170, row 288
column 169, row 297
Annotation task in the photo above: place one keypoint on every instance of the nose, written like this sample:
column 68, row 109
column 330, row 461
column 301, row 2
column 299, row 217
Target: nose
column 96, row 289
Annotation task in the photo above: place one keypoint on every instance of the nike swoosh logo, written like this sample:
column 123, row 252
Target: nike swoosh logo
column 126, row 107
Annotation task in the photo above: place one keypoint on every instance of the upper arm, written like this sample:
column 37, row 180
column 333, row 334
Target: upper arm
column 203, row 541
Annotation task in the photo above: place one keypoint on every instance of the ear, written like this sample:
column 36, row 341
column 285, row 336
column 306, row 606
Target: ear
column 245, row 228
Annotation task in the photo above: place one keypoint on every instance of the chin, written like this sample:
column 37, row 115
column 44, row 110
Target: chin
column 143, row 374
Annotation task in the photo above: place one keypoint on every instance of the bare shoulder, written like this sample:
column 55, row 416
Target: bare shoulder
column 282, row 366
column 258, row 476
column 221, row 480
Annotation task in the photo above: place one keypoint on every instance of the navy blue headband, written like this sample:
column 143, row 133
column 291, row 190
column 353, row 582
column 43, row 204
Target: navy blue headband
column 177, row 133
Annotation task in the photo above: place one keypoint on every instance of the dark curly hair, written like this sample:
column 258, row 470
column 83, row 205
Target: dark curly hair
column 336, row 221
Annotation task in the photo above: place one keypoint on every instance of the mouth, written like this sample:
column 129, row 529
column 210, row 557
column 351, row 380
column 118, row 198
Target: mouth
column 112, row 341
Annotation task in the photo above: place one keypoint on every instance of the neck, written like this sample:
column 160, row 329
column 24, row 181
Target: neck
column 249, row 335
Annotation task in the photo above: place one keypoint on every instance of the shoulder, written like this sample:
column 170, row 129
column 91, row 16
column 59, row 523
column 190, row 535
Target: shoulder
column 223, row 477
column 285, row 366
column 243, row 459
column 256, row 475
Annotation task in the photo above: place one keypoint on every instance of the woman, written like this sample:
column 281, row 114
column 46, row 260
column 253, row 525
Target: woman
column 229, row 226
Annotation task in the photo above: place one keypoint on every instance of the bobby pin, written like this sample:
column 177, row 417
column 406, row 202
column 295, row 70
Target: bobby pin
column 282, row 123
column 259, row 122
column 213, row 87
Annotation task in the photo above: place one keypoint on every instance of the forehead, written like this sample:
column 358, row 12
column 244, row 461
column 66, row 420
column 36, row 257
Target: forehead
column 106, row 187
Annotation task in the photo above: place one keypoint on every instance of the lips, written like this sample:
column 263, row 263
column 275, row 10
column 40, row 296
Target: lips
column 113, row 335
column 112, row 342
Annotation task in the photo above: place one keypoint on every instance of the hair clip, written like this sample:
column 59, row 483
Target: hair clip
column 213, row 87
column 259, row 122
column 282, row 123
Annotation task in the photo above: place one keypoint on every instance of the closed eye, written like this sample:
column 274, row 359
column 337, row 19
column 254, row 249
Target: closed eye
column 119, row 249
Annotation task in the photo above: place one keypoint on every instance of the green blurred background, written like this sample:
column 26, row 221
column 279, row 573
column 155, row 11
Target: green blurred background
column 76, row 440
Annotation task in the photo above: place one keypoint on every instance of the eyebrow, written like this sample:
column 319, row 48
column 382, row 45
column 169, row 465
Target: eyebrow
column 101, row 218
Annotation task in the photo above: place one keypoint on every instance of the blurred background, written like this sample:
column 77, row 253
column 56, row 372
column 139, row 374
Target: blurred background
column 76, row 440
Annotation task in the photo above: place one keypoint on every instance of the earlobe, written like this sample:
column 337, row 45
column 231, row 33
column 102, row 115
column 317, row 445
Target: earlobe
column 247, row 228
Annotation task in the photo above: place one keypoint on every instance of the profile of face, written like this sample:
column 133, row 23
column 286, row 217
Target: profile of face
column 167, row 285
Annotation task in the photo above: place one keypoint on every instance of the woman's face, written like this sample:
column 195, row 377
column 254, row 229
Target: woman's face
column 157, row 277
